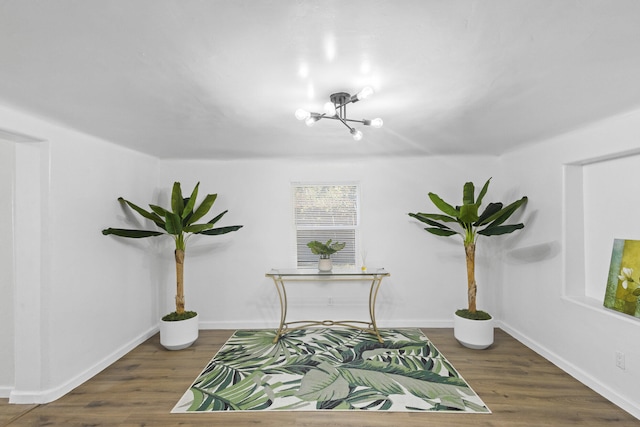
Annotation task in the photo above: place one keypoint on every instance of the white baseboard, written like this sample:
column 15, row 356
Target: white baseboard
column 623, row 402
column 5, row 392
column 46, row 396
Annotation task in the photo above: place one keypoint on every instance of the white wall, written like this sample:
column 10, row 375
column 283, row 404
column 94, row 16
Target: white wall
column 87, row 298
column 7, row 166
column 97, row 297
column 549, row 296
column 225, row 275
column 81, row 296
column 611, row 210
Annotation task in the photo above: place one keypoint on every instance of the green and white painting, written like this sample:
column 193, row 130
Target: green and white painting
column 623, row 285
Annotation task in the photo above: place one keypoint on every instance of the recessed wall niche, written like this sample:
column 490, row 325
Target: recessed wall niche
column 602, row 203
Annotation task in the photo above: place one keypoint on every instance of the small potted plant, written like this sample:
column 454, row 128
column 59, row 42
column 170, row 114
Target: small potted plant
column 325, row 250
column 473, row 328
column 178, row 329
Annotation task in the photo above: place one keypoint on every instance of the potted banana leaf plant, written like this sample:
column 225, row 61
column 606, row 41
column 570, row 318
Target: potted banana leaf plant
column 178, row 329
column 472, row 327
column 325, row 250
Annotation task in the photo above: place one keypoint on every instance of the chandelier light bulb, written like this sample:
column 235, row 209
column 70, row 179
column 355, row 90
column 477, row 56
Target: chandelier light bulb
column 365, row 93
column 302, row 114
column 309, row 121
column 357, row 135
column 330, row 109
column 377, row 123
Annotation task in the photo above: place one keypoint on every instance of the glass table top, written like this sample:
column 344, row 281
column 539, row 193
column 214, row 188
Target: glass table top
column 336, row 271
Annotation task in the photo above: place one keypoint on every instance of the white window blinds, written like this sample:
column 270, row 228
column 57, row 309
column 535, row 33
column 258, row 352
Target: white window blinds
column 323, row 212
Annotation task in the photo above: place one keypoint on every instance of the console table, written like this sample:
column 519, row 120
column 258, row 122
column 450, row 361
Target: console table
column 280, row 276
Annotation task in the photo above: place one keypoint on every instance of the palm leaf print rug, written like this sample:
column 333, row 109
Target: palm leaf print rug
column 329, row 369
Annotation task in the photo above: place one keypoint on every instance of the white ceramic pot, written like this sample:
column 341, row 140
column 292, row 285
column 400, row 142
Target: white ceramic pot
column 475, row 334
column 325, row 264
column 178, row 334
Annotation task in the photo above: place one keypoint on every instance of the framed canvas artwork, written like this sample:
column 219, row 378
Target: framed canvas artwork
column 623, row 284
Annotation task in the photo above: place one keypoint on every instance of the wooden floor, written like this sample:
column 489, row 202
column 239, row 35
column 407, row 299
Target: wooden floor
column 520, row 388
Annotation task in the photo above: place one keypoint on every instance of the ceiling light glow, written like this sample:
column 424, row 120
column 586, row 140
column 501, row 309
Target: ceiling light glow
column 303, row 70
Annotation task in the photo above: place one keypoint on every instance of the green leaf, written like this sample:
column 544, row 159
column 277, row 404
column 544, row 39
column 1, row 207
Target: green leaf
column 221, row 230
column 323, row 383
column 500, row 229
column 132, row 234
column 504, row 214
column 197, row 228
column 435, row 224
column 441, row 232
column 174, row 224
column 438, row 217
column 159, row 210
column 177, row 201
column 191, row 202
column 217, row 218
column 443, row 206
column 389, row 379
column 247, row 394
column 491, row 209
column 203, row 209
column 149, row 215
column 319, row 248
column 337, row 246
column 468, row 195
column 468, row 213
column 485, row 187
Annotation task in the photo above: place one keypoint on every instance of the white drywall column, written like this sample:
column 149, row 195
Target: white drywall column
column 7, row 333
column 31, row 192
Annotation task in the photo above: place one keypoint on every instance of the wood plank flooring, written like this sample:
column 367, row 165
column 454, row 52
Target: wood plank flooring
column 520, row 387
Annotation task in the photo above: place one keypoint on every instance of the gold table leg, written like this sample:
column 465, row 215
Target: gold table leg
column 282, row 295
column 279, row 280
column 373, row 295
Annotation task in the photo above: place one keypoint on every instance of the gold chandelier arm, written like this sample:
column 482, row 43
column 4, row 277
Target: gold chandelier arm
column 344, row 123
column 363, row 121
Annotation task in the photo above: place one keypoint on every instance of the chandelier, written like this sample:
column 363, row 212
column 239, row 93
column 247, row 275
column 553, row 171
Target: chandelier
column 336, row 109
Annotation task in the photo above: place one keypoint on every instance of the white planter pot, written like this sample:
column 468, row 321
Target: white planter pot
column 178, row 334
column 325, row 264
column 475, row 334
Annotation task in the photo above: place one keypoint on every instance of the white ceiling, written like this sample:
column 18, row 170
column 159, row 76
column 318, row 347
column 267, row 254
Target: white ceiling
column 222, row 79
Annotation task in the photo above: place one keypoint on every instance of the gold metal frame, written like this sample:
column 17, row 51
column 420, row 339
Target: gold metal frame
column 372, row 327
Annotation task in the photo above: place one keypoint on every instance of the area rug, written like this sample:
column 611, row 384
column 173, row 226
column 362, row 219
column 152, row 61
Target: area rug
column 330, row 369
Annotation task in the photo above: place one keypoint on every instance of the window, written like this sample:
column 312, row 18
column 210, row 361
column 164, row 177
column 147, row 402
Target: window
column 323, row 212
